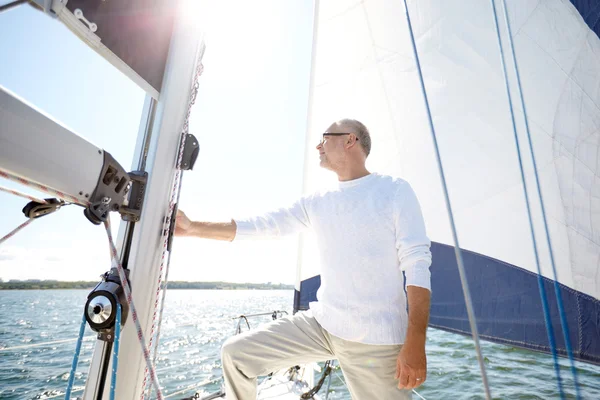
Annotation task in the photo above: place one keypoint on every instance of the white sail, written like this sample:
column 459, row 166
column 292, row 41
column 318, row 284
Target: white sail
column 364, row 68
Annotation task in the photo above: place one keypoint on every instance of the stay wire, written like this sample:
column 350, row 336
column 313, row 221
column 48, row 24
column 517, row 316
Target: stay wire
column 562, row 313
column 461, row 267
column 545, row 306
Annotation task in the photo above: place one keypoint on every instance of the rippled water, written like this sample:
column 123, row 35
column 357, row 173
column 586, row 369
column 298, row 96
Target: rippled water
column 196, row 323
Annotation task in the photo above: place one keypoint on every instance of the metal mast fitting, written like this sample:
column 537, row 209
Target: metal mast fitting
column 35, row 149
column 101, row 306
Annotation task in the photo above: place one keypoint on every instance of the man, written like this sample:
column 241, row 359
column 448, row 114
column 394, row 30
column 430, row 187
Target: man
column 369, row 230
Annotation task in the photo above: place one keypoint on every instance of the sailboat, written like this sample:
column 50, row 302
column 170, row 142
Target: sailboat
column 505, row 178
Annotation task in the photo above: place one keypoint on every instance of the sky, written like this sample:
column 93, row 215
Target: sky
column 250, row 120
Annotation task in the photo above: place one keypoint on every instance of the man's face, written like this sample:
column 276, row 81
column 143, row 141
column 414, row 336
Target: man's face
column 331, row 147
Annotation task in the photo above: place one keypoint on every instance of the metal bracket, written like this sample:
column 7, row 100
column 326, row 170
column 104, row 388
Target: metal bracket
column 110, row 192
column 33, row 209
column 172, row 224
column 59, row 10
column 137, row 192
column 107, row 335
column 190, row 152
column 79, row 15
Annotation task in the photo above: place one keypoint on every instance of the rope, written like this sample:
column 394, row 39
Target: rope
column 9, row 176
column 75, row 358
column 461, row 267
column 115, row 355
column 115, row 365
column 563, row 318
column 311, row 393
column 43, row 188
column 175, row 193
column 20, row 194
column 421, row 397
column 14, row 231
column 328, row 386
column 125, row 285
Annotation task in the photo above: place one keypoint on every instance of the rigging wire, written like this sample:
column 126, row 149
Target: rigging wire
column 461, row 267
column 563, row 318
column 543, row 296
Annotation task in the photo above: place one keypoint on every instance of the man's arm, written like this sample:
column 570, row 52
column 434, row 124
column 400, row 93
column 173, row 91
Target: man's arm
column 411, row 369
column 415, row 258
column 206, row 230
column 279, row 223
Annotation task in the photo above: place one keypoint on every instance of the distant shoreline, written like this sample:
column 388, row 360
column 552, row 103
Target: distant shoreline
column 54, row 285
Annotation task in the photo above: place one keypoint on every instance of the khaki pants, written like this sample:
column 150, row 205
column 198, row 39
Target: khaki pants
column 369, row 370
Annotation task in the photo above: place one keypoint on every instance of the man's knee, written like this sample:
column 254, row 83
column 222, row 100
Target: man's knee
column 231, row 347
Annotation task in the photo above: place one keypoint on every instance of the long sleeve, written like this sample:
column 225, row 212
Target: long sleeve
column 412, row 242
column 282, row 222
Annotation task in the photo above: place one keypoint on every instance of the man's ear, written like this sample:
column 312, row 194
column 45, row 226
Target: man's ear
column 350, row 142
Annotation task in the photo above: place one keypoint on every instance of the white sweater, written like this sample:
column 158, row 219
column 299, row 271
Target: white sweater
column 368, row 231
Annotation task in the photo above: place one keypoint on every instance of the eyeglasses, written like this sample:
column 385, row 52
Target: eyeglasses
column 333, row 134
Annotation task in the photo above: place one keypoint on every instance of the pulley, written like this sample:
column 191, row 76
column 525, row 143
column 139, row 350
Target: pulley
column 36, row 209
column 100, row 310
column 101, row 305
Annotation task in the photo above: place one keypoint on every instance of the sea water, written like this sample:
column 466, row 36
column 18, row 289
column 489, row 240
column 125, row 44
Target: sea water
column 197, row 322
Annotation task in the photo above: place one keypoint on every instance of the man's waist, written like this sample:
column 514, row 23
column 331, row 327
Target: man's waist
column 364, row 326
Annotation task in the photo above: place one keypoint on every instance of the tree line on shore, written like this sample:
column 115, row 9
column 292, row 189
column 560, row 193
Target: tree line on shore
column 34, row 284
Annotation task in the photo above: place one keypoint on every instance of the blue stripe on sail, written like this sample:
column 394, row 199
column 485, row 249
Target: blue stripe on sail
column 308, row 292
column 507, row 304
column 590, row 11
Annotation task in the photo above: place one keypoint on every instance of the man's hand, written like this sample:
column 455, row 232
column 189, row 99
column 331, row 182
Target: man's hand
column 206, row 230
column 183, row 224
column 411, row 366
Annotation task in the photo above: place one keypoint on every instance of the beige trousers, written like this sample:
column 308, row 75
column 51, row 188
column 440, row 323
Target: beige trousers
column 369, row 370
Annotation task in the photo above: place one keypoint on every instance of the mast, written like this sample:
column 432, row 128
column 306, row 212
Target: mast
column 141, row 248
column 168, row 49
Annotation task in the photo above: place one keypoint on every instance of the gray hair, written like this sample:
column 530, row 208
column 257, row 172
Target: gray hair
column 360, row 130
